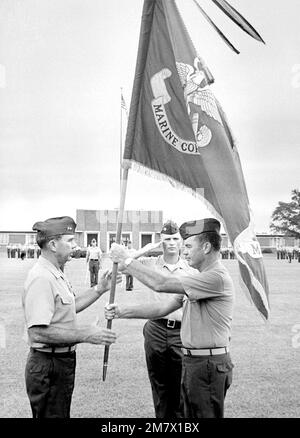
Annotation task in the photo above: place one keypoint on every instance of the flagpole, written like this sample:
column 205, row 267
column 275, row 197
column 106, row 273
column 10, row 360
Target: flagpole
column 115, row 265
column 121, row 142
column 123, row 188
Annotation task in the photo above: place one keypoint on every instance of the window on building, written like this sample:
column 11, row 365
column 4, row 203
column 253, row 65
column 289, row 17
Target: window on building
column 4, row 238
column 17, row 238
column 146, row 238
column 90, row 237
column 30, row 239
column 124, row 239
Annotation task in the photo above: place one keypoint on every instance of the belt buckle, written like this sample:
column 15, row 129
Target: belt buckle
column 171, row 323
column 67, row 349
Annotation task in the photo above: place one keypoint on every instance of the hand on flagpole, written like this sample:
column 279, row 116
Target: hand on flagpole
column 112, row 311
column 119, row 254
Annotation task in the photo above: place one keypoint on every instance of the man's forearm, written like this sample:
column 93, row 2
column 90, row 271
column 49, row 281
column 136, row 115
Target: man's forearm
column 155, row 279
column 143, row 311
column 85, row 299
column 59, row 336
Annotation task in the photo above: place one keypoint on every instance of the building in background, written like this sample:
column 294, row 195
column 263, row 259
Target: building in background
column 17, row 237
column 139, row 226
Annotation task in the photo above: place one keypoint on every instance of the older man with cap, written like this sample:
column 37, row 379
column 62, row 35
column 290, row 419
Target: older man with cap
column 162, row 336
column 207, row 296
column 50, row 306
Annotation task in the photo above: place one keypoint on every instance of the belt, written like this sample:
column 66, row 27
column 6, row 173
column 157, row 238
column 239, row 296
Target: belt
column 205, row 351
column 94, row 260
column 169, row 323
column 55, row 350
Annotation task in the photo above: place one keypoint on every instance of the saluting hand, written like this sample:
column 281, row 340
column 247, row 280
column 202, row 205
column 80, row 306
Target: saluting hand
column 150, row 247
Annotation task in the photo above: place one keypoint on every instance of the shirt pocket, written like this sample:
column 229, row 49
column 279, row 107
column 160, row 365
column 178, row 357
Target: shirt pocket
column 65, row 307
column 65, row 299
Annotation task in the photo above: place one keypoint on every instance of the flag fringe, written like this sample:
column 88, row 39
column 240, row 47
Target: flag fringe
column 144, row 170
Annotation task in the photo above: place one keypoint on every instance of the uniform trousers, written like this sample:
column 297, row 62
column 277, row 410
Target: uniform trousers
column 205, row 380
column 164, row 363
column 94, row 266
column 49, row 383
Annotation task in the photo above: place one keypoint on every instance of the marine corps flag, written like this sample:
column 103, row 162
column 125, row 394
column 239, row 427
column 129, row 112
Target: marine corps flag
column 178, row 131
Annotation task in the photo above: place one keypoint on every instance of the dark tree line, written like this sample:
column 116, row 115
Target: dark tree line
column 286, row 216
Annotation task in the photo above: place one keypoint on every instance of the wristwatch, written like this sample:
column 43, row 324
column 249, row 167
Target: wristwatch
column 128, row 261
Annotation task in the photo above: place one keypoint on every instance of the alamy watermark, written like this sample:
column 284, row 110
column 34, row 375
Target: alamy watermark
column 2, row 76
column 296, row 337
column 2, row 335
column 296, row 76
column 153, row 217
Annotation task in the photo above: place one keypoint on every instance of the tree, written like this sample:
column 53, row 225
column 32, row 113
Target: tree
column 286, row 216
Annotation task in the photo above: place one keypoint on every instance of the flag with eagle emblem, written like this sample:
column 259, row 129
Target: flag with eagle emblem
column 178, row 131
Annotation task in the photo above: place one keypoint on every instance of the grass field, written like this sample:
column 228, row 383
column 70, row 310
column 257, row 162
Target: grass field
column 266, row 356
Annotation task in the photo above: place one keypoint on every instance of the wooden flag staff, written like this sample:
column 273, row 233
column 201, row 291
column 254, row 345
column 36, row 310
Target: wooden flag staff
column 115, row 265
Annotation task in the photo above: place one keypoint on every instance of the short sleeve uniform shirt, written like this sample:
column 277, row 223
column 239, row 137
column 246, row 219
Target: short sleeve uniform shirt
column 179, row 269
column 207, row 307
column 48, row 299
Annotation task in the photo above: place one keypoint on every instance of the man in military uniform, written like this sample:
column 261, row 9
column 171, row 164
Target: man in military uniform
column 206, row 295
column 129, row 278
column 162, row 336
column 14, row 251
column 50, row 308
column 93, row 258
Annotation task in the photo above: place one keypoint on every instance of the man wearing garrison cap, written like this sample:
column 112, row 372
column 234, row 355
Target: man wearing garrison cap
column 206, row 295
column 50, row 306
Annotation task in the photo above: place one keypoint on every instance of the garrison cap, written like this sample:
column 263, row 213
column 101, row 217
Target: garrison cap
column 193, row 228
column 169, row 227
column 55, row 226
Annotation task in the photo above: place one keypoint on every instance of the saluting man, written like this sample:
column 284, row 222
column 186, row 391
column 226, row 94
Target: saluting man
column 50, row 306
column 162, row 336
column 207, row 296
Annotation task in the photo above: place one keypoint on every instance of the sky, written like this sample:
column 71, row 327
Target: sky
column 62, row 65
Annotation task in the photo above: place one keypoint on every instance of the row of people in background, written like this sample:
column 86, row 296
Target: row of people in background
column 227, row 253
column 288, row 253
column 19, row 251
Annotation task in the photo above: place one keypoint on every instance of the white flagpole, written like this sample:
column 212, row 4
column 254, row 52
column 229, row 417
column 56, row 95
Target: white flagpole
column 123, row 188
column 121, row 141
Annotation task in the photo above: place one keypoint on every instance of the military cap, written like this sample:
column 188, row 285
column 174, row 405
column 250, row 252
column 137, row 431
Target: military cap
column 193, row 228
column 55, row 226
column 169, row 227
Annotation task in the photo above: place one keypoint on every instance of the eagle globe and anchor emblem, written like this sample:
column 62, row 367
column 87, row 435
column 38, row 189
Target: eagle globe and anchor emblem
column 197, row 92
